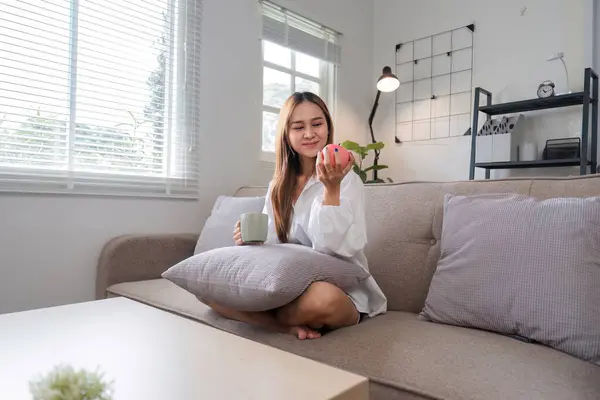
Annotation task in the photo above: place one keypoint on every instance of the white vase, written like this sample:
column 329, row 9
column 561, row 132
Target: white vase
column 528, row 151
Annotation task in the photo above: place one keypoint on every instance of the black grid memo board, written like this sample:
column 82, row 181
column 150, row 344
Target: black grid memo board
column 436, row 80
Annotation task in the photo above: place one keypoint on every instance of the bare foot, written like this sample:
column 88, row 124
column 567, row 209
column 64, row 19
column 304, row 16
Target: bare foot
column 304, row 332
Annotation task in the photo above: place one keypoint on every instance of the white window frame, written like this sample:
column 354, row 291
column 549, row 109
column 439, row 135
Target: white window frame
column 326, row 80
column 299, row 35
column 184, row 95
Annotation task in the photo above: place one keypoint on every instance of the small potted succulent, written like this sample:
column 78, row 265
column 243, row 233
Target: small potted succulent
column 66, row 383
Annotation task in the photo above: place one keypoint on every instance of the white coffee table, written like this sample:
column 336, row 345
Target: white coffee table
column 151, row 354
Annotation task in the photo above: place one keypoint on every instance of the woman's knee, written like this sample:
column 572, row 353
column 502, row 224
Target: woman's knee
column 223, row 311
column 323, row 299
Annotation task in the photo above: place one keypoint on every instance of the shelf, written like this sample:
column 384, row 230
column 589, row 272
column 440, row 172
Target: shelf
column 590, row 95
column 568, row 162
column 563, row 100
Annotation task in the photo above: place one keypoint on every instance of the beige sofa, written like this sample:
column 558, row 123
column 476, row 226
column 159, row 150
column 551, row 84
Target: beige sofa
column 404, row 358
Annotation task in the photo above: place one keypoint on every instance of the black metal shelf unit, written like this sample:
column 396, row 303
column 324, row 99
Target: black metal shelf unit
column 587, row 98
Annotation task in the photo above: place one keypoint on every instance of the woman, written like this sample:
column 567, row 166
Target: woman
column 317, row 204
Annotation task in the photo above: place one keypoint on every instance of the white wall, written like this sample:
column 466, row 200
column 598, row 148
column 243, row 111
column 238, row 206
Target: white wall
column 49, row 245
column 510, row 52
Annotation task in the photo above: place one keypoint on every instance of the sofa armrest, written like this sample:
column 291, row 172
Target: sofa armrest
column 133, row 258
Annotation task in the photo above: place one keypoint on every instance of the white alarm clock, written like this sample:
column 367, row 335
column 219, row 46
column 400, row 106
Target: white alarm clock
column 546, row 89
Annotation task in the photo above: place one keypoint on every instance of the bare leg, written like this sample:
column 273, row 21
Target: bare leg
column 321, row 305
column 267, row 320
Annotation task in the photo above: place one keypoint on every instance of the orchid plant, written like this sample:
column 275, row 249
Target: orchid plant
column 362, row 152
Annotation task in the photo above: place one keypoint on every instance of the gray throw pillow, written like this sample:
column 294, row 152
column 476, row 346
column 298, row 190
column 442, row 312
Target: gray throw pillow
column 521, row 266
column 218, row 228
column 262, row 277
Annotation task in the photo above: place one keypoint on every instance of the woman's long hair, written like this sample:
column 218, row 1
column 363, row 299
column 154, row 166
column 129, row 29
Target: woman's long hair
column 287, row 162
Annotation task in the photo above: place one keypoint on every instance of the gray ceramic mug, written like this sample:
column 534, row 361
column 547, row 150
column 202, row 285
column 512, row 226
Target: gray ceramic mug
column 254, row 227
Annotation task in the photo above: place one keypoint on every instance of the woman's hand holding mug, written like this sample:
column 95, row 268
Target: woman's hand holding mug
column 251, row 228
column 237, row 234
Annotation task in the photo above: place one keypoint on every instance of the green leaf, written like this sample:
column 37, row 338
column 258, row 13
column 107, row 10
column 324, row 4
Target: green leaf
column 356, row 169
column 390, row 180
column 376, row 168
column 363, row 176
column 65, row 382
column 350, row 145
column 376, row 146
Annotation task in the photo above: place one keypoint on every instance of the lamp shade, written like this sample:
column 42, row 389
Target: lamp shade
column 557, row 56
column 388, row 81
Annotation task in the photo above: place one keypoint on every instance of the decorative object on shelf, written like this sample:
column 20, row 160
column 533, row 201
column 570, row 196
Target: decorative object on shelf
column 560, row 149
column 588, row 98
column 436, row 73
column 499, row 138
column 487, row 128
column 65, row 383
column 561, row 57
column 387, row 82
column 528, row 151
column 546, row 89
column 362, row 152
column 498, row 127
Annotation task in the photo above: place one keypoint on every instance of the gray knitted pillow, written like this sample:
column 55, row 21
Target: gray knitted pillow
column 259, row 278
column 521, row 266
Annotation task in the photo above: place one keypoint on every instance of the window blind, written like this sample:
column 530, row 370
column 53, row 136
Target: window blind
column 99, row 96
column 291, row 30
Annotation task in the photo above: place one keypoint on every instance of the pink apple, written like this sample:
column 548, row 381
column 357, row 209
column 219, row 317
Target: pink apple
column 344, row 154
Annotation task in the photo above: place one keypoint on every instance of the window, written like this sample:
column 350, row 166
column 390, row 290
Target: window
column 298, row 55
column 96, row 96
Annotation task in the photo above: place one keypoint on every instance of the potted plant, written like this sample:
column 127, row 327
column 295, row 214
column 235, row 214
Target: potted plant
column 66, row 383
column 363, row 152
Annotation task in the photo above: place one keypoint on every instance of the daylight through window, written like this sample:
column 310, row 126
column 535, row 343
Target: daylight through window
column 298, row 55
column 95, row 96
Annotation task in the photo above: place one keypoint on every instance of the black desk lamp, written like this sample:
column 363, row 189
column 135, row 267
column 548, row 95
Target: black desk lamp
column 388, row 82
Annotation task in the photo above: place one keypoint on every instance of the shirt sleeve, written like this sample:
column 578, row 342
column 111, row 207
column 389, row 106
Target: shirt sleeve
column 340, row 230
column 268, row 209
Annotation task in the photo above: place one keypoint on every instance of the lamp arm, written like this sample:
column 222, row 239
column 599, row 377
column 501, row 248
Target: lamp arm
column 371, row 117
column 373, row 111
column 567, row 73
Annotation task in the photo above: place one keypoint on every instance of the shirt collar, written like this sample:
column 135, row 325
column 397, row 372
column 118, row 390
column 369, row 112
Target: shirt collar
column 313, row 180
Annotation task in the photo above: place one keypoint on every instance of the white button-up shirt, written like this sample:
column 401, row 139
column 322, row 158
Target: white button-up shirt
column 335, row 230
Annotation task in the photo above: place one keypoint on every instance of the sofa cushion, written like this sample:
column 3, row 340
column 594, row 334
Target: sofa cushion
column 218, row 228
column 404, row 226
column 521, row 266
column 259, row 278
column 410, row 359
